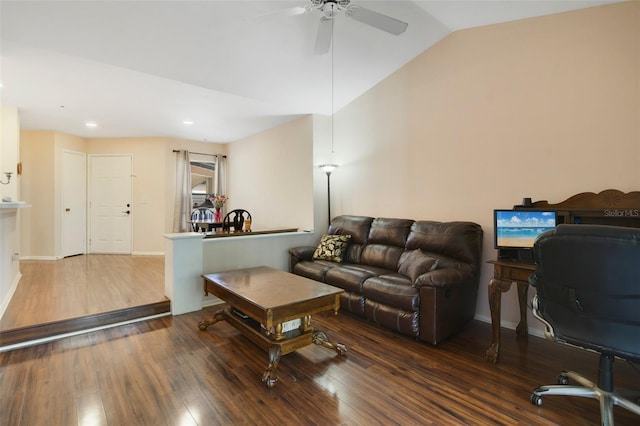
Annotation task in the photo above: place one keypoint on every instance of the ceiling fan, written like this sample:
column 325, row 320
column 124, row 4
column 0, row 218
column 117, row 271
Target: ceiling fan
column 332, row 8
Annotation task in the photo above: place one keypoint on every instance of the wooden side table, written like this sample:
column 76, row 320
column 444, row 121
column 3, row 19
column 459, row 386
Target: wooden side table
column 505, row 273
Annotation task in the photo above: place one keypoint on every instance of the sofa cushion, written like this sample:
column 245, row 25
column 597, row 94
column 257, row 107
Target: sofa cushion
column 458, row 240
column 390, row 232
column 351, row 276
column 386, row 242
column 358, row 228
column 415, row 263
column 393, row 290
column 373, row 270
column 332, row 247
column 381, row 256
column 316, row 270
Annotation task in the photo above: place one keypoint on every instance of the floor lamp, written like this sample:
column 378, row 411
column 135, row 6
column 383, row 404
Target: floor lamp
column 328, row 168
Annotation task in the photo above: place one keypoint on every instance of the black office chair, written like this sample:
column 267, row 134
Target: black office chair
column 587, row 281
column 235, row 219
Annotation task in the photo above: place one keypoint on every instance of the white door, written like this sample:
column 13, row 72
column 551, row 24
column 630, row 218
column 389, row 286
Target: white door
column 74, row 203
column 110, row 203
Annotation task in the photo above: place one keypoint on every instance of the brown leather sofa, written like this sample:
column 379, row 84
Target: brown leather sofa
column 419, row 278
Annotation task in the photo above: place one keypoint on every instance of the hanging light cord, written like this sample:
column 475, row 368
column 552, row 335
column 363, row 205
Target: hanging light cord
column 333, row 41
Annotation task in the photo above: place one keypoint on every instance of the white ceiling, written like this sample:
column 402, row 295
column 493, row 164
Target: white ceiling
column 234, row 68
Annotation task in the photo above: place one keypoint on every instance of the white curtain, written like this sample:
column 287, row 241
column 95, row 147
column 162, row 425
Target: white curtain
column 182, row 204
column 221, row 175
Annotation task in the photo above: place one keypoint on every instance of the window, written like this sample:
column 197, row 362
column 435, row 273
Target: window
column 202, row 180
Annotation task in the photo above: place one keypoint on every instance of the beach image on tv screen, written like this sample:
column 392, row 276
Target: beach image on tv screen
column 520, row 229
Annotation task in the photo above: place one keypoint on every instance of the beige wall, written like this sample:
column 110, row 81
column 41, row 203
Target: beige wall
column 38, row 230
column 543, row 108
column 9, row 150
column 153, row 187
column 271, row 176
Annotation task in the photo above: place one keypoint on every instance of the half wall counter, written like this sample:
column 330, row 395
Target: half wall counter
column 188, row 255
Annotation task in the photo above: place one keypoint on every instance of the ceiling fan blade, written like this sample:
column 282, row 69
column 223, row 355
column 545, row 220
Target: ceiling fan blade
column 293, row 11
column 377, row 20
column 290, row 11
column 323, row 39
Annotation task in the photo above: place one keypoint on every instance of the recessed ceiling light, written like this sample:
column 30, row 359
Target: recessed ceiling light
column 187, row 122
column 91, row 124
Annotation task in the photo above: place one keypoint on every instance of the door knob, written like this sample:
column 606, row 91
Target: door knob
column 127, row 212
column 67, row 209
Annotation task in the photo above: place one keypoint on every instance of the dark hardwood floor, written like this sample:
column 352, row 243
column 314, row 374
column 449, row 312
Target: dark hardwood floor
column 167, row 372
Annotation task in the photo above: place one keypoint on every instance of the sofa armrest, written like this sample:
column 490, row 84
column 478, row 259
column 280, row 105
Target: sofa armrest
column 297, row 254
column 441, row 278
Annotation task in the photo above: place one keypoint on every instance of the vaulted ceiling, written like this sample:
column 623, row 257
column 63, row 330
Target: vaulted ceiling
column 232, row 68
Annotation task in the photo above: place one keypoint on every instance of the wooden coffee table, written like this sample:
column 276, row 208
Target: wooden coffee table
column 273, row 309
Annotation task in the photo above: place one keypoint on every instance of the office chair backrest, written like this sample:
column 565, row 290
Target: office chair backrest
column 587, row 280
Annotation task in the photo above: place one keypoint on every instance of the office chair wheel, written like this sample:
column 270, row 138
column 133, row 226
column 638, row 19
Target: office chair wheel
column 536, row 399
column 562, row 379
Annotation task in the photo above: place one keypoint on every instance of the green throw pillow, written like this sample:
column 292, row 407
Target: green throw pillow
column 417, row 263
column 332, row 247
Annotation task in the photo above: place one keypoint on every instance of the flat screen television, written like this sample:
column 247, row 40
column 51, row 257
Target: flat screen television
column 518, row 229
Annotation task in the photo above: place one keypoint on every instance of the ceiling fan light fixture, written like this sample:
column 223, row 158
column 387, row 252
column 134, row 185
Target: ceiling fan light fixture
column 330, row 10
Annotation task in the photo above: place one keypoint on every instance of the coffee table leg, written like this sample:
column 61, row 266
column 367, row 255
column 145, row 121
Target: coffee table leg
column 306, row 324
column 320, row 338
column 219, row 315
column 269, row 377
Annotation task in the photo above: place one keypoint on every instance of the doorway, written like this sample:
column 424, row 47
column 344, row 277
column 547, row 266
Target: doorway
column 110, row 205
column 74, row 203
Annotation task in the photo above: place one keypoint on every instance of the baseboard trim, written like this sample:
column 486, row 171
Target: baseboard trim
column 511, row 325
column 40, row 257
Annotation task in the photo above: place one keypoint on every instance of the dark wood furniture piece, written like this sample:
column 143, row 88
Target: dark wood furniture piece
column 203, row 218
column 204, row 225
column 505, row 273
column 220, row 233
column 238, row 219
column 609, row 207
column 273, row 309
